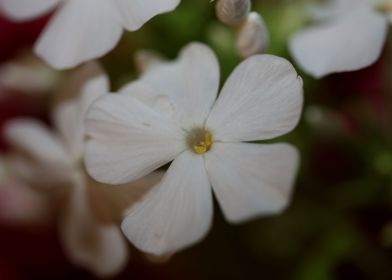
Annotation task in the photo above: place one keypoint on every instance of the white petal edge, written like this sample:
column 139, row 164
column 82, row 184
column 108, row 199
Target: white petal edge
column 33, row 138
column 28, row 74
column 261, row 99
column 42, row 175
column 191, row 82
column 69, row 115
column 149, row 96
column 176, row 213
column 21, row 10
column 78, row 32
column 135, row 13
column 128, row 140
column 331, row 9
column 251, row 180
column 100, row 248
column 348, row 43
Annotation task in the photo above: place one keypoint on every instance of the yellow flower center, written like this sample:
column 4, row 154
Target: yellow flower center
column 199, row 140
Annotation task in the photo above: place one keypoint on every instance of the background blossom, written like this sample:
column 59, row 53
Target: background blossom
column 83, row 30
column 348, row 35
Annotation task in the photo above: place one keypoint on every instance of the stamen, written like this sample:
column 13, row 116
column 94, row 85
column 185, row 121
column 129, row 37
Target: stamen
column 199, row 140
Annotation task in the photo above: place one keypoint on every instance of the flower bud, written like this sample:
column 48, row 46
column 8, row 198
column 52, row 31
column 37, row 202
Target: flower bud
column 232, row 12
column 252, row 37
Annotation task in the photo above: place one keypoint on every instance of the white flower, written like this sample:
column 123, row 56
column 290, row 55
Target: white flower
column 172, row 113
column 349, row 36
column 82, row 30
column 88, row 228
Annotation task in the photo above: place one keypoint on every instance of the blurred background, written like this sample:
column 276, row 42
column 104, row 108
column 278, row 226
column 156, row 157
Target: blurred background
column 339, row 224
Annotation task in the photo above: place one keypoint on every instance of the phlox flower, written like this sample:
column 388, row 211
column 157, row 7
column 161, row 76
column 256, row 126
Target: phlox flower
column 172, row 113
column 51, row 160
column 83, row 30
column 349, row 35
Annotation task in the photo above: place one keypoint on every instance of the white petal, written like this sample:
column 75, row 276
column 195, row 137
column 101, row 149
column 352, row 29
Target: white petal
column 137, row 12
column 348, row 43
column 99, row 248
column 69, row 115
column 191, row 83
column 76, row 80
column 261, row 99
column 70, row 125
column 149, row 96
column 128, row 139
column 78, row 32
column 36, row 140
column 26, row 9
column 42, row 175
column 250, row 180
column 326, row 10
column 28, row 74
column 176, row 213
column 42, row 160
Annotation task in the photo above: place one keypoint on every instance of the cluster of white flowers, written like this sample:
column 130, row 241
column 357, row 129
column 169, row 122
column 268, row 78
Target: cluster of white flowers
column 171, row 114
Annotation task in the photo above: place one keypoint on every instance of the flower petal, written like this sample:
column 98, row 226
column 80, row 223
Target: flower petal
column 261, row 99
column 176, row 213
column 36, row 140
column 76, row 80
column 28, row 74
column 20, row 10
column 250, row 179
column 100, row 248
column 42, row 175
column 325, row 10
column 148, row 95
column 128, row 139
column 191, row 83
column 78, row 32
column 348, row 43
column 69, row 115
column 137, row 12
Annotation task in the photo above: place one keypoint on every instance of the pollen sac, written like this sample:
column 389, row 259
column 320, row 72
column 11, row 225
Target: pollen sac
column 199, row 140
